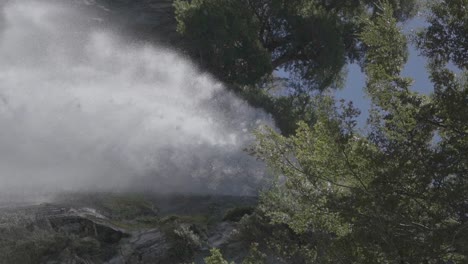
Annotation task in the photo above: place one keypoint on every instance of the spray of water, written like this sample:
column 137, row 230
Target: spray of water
column 82, row 110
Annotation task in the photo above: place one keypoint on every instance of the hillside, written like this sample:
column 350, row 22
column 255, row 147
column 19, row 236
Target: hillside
column 122, row 228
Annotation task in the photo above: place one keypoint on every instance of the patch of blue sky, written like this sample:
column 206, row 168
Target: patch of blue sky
column 415, row 68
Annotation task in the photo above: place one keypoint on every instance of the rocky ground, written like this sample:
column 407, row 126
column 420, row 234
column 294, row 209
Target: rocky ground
column 122, row 228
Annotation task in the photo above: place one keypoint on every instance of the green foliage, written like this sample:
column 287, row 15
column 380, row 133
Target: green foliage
column 20, row 245
column 185, row 235
column 216, row 257
column 286, row 110
column 255, row 256
column 278, row 241
column 184, row 242
column 224, row 38
column 242, row 42
column 31, row 250
column 394, row 195
column 386, row 48
column 446, row 38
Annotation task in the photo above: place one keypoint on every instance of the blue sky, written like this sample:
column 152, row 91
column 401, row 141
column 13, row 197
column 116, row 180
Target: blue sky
column 415, row 68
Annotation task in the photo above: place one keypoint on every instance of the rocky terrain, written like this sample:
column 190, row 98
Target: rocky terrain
column 122, row 228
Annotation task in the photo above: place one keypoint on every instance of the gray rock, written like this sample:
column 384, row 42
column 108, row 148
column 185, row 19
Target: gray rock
column 149, row 246
column 85, row 227
column 221, row 234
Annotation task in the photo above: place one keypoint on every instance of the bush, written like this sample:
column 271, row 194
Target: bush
column 216, row 257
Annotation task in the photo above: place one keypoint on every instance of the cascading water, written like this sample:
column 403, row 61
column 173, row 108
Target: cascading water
column 82, row 110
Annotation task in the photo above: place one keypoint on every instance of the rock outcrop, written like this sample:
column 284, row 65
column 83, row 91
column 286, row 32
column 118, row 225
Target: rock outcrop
column 118, row 229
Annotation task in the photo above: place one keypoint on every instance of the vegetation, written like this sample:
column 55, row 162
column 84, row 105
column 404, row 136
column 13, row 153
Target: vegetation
column 216, row 257
column 243, row 42
column 444, row 40
column 254, row 257
column 21, row 245
column 100, row 227
column 397, row 194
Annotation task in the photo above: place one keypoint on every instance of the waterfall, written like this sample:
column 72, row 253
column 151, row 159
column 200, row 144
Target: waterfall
column 83, row 109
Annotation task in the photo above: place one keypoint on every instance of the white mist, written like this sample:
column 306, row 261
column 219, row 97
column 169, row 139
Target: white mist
column 82, row 110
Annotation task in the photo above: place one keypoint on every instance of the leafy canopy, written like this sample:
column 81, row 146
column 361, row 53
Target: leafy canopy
column 397, row 194
column 243, row 42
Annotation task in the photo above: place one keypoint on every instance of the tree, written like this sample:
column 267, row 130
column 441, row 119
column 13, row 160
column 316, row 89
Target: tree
column 446, row 37
column 216, row 257
column 397, row 194
column 243, row 42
